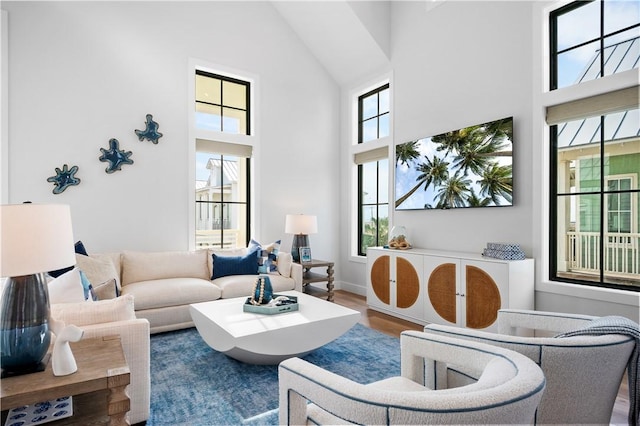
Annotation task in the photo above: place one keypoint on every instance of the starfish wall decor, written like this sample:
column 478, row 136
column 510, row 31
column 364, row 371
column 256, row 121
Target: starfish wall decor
column 115, row 156
column 151, row 132
column 64, row 178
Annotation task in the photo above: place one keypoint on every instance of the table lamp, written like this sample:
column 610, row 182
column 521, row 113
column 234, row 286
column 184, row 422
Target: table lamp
column 300, row 225
column 34, row 239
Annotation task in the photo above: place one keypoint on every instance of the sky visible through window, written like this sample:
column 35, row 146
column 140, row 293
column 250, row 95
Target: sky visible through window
column 583, row 24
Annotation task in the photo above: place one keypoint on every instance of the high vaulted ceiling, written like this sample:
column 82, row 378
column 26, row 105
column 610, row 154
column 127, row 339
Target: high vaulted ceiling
column 350, row 38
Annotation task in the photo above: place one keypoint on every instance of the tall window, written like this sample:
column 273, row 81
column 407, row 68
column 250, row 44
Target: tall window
column 223, row 178
column 373, row 114
column 595, row 147
column 373, row 170
column 373, row 199
column 222, row 103
column 593, row 39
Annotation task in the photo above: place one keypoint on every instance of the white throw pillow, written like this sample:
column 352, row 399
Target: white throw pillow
column 67, row 288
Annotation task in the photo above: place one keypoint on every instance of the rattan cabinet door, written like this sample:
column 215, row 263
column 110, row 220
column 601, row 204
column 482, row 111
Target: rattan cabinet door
column 442, row 290
column 395, row 283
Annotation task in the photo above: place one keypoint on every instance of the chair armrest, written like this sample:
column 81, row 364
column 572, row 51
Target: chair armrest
column 300, row 381
column 288, row 268
column 425, row 358
column 509, row 320
column 134, row 336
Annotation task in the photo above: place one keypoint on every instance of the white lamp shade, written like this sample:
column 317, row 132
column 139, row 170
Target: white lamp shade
column 301, row 224
column 35, row 238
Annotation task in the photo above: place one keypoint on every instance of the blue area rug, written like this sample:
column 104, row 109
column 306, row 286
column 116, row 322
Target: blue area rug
column 196, row 385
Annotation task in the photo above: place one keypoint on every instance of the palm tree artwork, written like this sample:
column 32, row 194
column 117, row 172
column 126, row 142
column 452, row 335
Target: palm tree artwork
column 469, row 167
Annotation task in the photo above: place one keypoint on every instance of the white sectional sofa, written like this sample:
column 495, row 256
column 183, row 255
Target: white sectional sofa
column 164, row 284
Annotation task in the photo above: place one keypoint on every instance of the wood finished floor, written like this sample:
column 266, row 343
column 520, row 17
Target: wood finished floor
column 394, row 326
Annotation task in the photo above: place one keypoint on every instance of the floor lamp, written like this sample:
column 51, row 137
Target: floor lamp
column 35, row 238
column 300, row 225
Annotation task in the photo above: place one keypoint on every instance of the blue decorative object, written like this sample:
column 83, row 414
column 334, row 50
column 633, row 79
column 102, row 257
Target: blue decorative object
column 64, row 178
column 115, row 156
column 151, row 132
column 262, row 291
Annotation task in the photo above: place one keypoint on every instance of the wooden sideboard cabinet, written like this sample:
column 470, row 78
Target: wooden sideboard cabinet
column 396, row 283
column 453, row 288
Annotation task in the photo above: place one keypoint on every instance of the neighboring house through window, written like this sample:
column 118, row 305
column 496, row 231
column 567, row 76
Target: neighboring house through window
column 595, row 147
column 373, row 169
column 222, row 168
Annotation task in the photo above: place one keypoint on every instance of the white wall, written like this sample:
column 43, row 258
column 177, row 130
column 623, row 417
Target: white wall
column 466, row 63
column 461, row 64
column 84, row 72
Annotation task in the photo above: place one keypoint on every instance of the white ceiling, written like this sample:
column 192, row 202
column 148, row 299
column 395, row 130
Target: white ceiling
column 350, row 39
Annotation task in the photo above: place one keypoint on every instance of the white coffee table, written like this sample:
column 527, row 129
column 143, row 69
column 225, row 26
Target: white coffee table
column 269, row 339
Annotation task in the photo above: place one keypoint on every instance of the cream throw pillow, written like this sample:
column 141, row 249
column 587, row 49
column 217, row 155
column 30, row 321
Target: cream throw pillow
column 98, row 271
column 99, row 312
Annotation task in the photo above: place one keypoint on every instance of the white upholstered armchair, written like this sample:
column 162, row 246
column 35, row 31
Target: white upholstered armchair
column 583, row 372
column 508, row 391
column 117, row 317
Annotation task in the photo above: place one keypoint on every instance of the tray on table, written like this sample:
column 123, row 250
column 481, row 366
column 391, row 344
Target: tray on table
column 270, row 310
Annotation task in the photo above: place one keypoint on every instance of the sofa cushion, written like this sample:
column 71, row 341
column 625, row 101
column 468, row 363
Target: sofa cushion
column 235, row 265
column 97, row 270
column 242, row 285
column 171, row 292
column 102, row 311
column 141, row 266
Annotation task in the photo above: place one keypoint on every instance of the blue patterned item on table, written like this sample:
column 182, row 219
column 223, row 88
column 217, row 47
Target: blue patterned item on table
column 40, row 412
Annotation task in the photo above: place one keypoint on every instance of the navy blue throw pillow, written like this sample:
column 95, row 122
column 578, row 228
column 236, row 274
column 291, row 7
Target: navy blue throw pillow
column 235, row 265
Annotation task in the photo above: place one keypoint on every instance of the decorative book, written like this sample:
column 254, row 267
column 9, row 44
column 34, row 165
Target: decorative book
column 504, row 251
column 40, row 412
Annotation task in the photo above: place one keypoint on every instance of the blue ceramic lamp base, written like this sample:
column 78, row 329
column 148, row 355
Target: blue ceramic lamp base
column 24, row 325
column 299, row 240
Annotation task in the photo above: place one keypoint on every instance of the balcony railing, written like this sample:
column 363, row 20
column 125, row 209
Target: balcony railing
column 621, row 253
column 215, row 238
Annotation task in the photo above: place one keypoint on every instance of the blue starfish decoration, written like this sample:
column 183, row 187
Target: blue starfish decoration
column 115, row 156
column 64, row 178
column 151, row 132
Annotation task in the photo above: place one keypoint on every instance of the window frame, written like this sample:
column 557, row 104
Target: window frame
column 362, row 121
column 229, row 141
column 200, row 204
column 377, row 204
column 603, row 84
column 222, row 105
column 553, row 38
column 369, row 147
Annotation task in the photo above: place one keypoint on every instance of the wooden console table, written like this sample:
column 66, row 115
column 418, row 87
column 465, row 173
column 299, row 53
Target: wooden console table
column 98, row 387
column 309, row 277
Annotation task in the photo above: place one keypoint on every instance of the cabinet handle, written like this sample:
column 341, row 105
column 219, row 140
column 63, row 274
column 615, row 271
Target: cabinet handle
column 461, row 295
column 457, row 294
